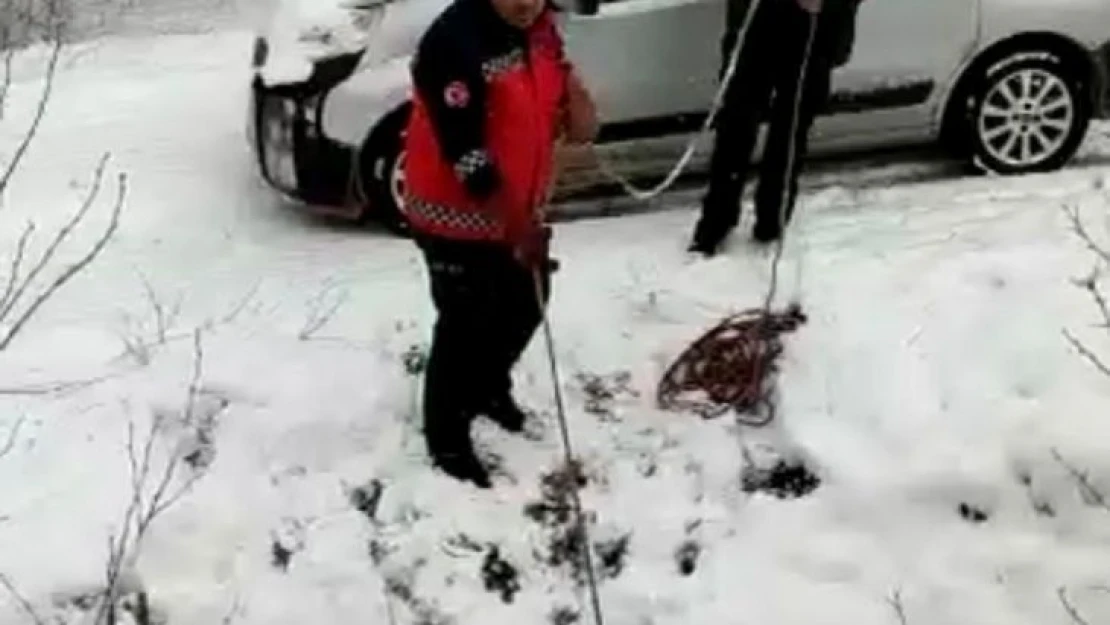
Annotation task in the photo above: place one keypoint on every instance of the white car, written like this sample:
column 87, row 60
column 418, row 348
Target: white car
column 1009, row 85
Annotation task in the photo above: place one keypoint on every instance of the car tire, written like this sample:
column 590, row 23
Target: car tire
column 382, row 163
column 1025, row 113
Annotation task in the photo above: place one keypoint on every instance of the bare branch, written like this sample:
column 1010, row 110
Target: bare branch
column 896, row 604
column 16, row 267
column 1089, row 355
column 6, row 78
column 163, row 319
column 40, row 113
column 239, row 307
column 22, row 601
column 142, row 509
column 59, row 238
column 73, row 270
column 1076, row 617
column 1081, row 231
column 1090, row 493
column 54, row 388
column 13, row 434
column 319, row 314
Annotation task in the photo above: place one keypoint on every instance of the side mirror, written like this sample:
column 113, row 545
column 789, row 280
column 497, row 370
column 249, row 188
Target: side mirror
column 587, row 7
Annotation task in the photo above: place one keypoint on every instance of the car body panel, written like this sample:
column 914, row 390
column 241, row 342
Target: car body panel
column 354, row 107
column 652, row 66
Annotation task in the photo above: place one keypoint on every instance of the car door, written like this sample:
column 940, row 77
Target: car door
column 905, row 55
column 647, row 61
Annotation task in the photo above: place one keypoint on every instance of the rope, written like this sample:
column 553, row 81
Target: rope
column 791, row 156
column 643, row 195
column 731, row 366
column 568, row 452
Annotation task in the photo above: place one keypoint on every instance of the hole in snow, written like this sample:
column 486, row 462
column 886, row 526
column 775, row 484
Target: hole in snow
column 972, row 514
column 499, row 575
column 785, row 479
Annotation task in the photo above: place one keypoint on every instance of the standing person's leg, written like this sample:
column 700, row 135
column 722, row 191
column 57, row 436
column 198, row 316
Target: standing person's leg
column 522, row 299
column 455, row 363
column 798, row 100
column 736, row 132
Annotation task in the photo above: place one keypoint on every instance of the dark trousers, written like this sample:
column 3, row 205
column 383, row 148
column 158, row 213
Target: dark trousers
column 488, row 309
column 766, row 85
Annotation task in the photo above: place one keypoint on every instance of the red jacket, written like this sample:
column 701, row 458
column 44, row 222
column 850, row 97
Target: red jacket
column 485, row 118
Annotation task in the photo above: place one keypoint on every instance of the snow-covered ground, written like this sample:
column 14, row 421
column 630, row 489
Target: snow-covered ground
column 927, row 392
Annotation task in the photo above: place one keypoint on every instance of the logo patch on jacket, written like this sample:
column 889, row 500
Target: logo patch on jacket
column 456, row 95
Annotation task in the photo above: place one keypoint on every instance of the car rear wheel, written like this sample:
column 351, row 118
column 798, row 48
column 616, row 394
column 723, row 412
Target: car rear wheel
column 1027, row 113
column 382, row 164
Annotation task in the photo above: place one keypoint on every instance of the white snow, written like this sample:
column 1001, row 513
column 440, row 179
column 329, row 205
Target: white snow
column 932, row 372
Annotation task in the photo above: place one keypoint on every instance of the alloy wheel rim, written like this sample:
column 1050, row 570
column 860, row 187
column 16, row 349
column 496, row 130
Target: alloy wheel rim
column 1026, row 117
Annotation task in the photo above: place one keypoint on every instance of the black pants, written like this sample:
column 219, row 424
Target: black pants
column 766, row 84
column 488, row 310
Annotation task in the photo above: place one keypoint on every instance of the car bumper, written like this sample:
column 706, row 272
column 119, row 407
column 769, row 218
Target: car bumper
column 296, row 159
column 293, row 155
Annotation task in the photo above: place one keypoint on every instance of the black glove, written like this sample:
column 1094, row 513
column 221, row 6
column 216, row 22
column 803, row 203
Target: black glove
column 478, row 174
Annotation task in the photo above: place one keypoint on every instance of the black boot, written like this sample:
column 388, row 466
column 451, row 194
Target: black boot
column 452, row 451
column 764, row 232
column 463, row 465
column 505, row 412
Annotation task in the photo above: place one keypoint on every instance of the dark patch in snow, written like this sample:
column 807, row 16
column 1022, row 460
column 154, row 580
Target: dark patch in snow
column 415, row 360
column 972, row 514
column 202, row 418
column 554, row 506
column 566, row 536
column 612, row 555
column 499, row 575
column 602, row 391
column 1040, row 506
column 367, row 498
column 424, row 612
column 785, row 479
column 378, row 551
column 686, row 556
column 280, row 555
column 567, row 547
column 563, row 615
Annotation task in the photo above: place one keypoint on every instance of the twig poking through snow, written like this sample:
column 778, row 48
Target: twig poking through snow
column 63, row 277
column 142, row 512
column 21, row 601
column 1091, row 286
column 1081, row 231
column 40, row 112
column 899, row 607
column 1087, row 353
column 1076, row 617
column 320, row 314
column 13, row 435
column 1090, row 493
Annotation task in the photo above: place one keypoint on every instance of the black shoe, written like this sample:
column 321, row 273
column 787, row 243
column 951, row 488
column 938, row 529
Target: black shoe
column 765, row 233
column 703, row 247
column 506, row 413
column 463, row 465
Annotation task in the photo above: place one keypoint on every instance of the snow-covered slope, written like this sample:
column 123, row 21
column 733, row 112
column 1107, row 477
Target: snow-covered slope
column 927, row 394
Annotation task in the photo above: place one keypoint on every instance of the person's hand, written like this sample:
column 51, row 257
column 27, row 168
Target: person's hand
column 810, row 6
column 580, row 123
column 531, row 247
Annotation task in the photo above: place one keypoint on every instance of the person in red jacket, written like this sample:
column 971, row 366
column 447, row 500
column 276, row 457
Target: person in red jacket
column 493, row 94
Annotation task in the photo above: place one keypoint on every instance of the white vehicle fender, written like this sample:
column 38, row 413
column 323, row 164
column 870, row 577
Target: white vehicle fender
column 1083, row 21
column 354, row 108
